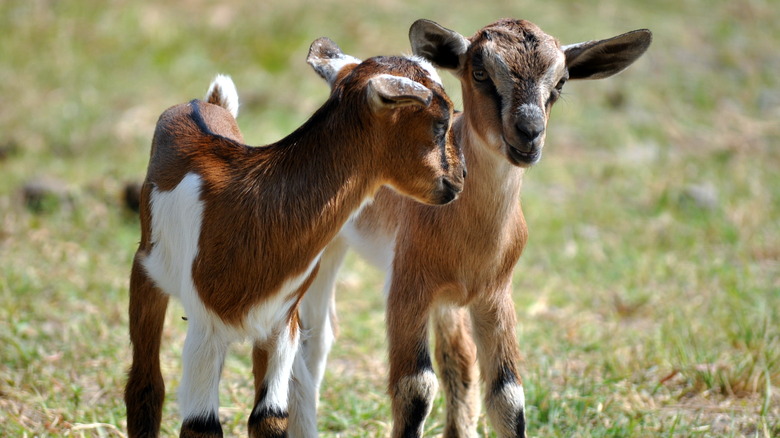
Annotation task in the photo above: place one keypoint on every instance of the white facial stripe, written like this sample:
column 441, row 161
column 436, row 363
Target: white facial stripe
column 428, row 67
column 501, row 72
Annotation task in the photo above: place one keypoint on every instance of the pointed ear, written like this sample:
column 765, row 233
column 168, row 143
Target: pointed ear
column 327, row 59
column 444, row 48
column 604, row 58
column 388, row 91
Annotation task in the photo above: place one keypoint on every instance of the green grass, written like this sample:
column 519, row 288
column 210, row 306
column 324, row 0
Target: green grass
column 648, row 297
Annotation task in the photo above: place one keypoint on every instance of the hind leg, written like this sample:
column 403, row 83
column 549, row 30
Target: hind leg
column 145, row 389
column 202, row 361
column 273, row 363
column 317, row 311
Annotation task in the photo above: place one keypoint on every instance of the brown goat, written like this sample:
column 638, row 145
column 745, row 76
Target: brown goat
column 237, row 232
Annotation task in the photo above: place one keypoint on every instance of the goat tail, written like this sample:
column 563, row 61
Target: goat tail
column 222, row 92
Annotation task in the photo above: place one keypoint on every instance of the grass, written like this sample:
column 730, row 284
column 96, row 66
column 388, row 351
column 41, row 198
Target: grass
column 648, row 296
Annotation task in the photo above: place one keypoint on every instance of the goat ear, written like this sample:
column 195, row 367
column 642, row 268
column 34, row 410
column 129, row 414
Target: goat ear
column 604, row 58
column 444, row 48
column 327, row 59
column 388, row 91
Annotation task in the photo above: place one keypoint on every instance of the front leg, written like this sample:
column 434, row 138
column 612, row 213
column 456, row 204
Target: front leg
column 317, row 311
column 456, row 358
column 412, row 384
column 494, row 324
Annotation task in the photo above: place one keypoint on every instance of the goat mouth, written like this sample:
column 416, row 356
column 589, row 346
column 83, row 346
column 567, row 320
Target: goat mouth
column 450, row 192
column 522, row 158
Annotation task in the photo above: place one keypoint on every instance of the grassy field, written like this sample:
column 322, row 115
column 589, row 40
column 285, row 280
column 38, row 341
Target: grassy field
column 648, row 297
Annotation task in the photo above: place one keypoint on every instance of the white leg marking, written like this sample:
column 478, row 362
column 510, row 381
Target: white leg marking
column 316, row 310
column 303, row 402
column 410, row 390
column 419, row 386
column 279, row 371
column 504, row 406
column 202, row 360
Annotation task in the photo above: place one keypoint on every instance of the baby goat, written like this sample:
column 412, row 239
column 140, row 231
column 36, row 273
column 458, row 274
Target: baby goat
column 511, row 74
column 237, row 232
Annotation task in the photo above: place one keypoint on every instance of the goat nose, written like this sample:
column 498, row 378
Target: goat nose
column 530, row 128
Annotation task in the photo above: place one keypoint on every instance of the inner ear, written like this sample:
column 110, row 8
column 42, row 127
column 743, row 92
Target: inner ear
column 327, row 59
column 443, row 47
column 388, row 91
column 604, row 58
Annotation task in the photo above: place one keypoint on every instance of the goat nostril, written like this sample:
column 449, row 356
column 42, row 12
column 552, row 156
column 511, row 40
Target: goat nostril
column 465, row 173
column 530, row 130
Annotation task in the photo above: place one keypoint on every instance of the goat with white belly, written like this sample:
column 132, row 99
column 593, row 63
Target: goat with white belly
column 442, row 260
column 237, row 232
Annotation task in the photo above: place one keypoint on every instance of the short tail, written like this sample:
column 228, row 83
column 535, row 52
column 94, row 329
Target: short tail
column 223, row 92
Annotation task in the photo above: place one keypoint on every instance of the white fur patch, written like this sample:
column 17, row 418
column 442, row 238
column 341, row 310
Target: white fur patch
column 419, row 386
column 316, row 310
column 176, row 222
column 411, row 389
column 202, row 360
column 303, row 402
column 504, row 406
column 377, row 248
column 277, row 376
column 334, row 66
column 342, row 61
column 227, row 94
column 428, row 67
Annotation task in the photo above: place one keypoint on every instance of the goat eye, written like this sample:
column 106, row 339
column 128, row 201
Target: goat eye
column 480, row 75
column 556, row 92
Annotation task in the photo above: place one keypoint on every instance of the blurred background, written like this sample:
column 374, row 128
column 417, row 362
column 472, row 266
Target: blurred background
column 648, row 296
